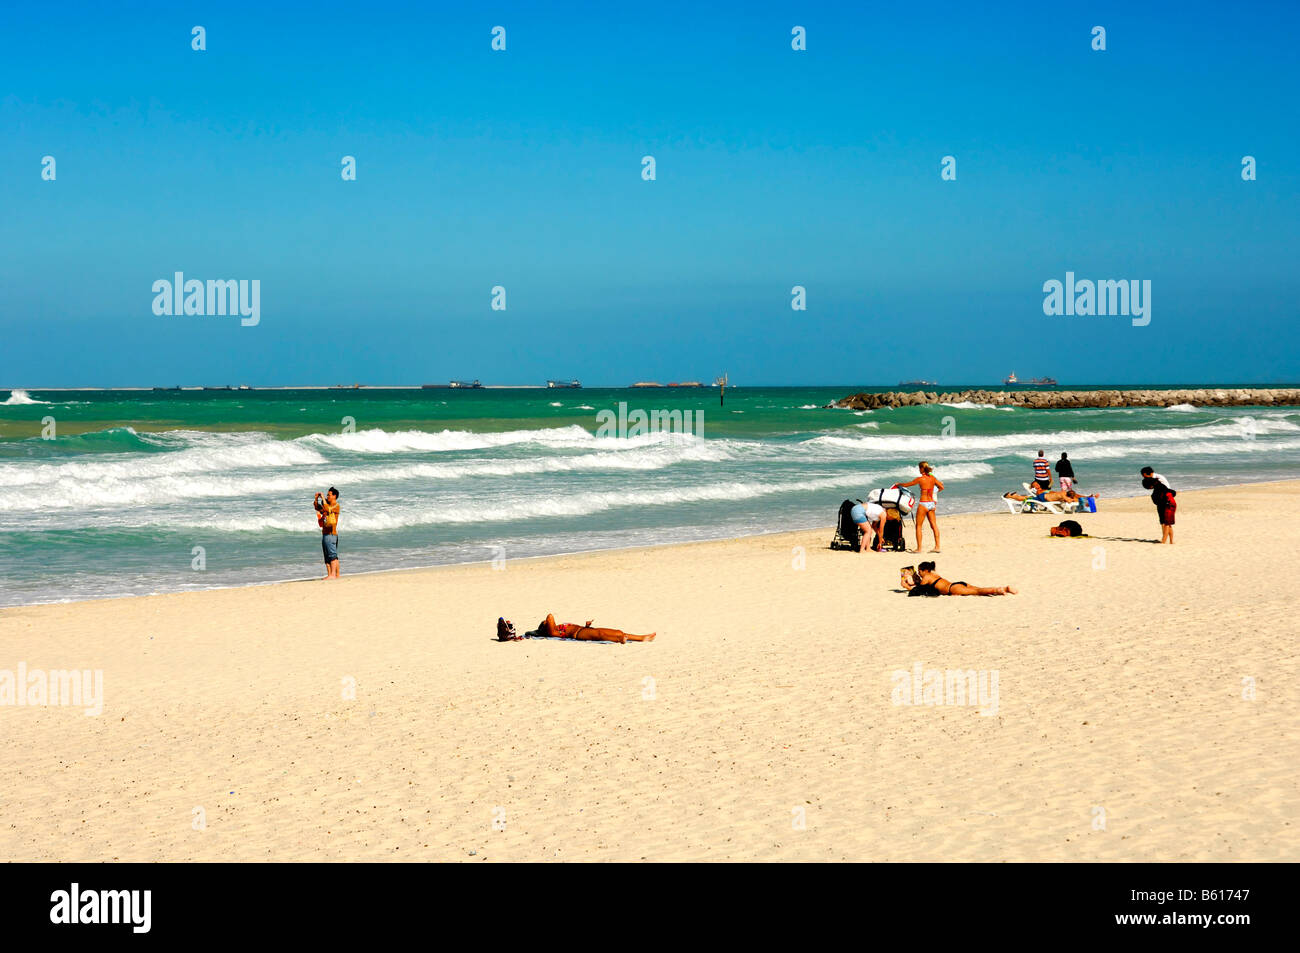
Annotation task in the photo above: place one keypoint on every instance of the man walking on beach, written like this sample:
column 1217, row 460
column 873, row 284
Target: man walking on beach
column 1043, row 471
column 1065, row 472
column 327, row 517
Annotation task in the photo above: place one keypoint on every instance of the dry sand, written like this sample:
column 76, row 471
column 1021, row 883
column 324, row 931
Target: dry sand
column 1121, row 730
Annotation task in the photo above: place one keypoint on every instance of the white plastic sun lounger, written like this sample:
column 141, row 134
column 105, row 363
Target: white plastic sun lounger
column 1035, row 506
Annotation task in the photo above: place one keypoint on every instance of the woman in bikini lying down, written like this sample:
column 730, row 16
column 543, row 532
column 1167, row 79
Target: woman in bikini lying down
column 1048, row 496
column 568, row 630
column 924, row 581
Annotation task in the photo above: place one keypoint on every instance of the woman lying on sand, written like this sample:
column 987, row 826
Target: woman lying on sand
column 1048, row 496
column 568, row 630
column 924, row 581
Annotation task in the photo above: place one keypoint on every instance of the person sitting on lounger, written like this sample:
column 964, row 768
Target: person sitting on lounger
column 551, row 629
column 924, row 581
column 1038, row 494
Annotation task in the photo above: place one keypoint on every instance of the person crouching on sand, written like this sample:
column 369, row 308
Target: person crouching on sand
column 924, row 581
column 327, row 518
column 551, row 629
column 1162, row 495
column 930, row 484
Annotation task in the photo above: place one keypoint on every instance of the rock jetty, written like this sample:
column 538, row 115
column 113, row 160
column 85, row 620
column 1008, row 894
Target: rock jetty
column 1066, row 399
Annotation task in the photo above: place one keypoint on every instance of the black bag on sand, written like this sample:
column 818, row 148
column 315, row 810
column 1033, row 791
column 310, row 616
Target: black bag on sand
column 847, row 535
column 1067, row 528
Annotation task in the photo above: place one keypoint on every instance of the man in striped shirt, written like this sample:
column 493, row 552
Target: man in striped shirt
column 1043, row 471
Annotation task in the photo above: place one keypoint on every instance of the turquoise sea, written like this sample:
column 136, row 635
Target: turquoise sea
column 154, row 491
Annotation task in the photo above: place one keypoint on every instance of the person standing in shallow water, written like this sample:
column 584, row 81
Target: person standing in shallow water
column 930, row 484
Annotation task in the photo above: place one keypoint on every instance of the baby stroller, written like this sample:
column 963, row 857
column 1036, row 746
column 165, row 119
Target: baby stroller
column 898, row 504
column 847, row 535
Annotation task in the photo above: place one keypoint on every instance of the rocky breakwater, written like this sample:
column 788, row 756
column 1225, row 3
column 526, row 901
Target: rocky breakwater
column 1066, row 399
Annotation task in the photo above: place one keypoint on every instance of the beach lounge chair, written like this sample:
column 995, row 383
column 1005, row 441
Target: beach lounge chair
column 1036, row 506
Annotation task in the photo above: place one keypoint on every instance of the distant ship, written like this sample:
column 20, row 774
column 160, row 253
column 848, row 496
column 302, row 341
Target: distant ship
column 918, row 384
column 685, row 384
column 453, row 385
column 1011, row 379
column 556, row 384
column 647, row 384
column 1043, row 382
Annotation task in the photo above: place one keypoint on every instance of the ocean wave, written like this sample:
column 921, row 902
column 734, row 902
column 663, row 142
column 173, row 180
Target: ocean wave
column 204, row 452
column 913, row 444
column 119, row 489
column 20, row 398
column 1183, row 408
column 360, row 517
column 443, row 441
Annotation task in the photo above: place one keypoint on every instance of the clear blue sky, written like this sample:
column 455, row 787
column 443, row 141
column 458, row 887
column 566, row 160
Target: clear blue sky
column 522, row 168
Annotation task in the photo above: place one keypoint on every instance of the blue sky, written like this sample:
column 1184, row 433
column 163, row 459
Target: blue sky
column 523, row 169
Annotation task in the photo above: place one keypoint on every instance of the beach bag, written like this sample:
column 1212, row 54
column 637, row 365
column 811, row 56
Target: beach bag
column 847, row 535
column 1067, row 528
column 892, row 499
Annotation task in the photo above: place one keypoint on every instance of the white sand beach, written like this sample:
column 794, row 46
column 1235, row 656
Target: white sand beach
column 1145, row 705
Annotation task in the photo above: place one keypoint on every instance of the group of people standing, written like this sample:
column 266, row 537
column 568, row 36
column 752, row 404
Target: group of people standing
column 1162, row 494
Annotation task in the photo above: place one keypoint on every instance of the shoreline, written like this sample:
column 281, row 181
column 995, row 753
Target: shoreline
column 636, row 547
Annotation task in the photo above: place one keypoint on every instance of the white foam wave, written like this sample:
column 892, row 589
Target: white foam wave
column 18, row 398
column 516, row 509
column 422, row 441
column 206, row 452
column 115, row 490
column 914, row 444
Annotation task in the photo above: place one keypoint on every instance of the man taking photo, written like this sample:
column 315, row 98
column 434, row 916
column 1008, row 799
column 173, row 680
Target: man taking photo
column 327, row 518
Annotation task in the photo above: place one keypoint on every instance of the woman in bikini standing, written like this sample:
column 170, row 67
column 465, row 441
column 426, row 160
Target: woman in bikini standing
column 929, row 485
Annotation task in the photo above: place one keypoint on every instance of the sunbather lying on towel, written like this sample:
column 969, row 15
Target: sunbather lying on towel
column 1038, row 494
column 924, row 581
column 549, row 628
